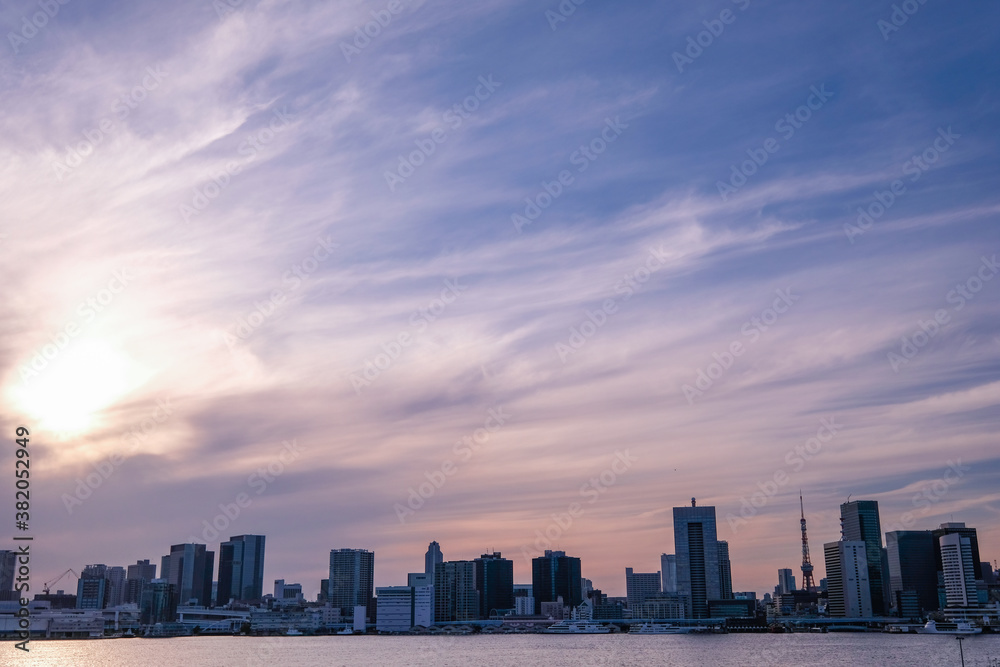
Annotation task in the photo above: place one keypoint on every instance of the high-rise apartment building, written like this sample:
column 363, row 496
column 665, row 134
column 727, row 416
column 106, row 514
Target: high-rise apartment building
column 136, row 577
column 456, row 596
column 956, row 528
column 352, row 579
column 92, row 587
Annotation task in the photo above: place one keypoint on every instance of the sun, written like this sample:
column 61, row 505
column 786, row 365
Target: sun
column 67, row 395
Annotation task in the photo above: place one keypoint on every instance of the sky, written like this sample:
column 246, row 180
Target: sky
column 505, row 275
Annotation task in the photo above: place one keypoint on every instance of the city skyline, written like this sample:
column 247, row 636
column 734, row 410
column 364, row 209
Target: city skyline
column 498, row 275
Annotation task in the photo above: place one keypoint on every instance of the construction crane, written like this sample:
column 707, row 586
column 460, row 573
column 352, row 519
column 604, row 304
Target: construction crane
column 807, row 567
column 49, row 584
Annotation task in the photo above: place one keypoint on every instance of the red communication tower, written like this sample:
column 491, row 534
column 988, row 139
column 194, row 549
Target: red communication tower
column 807, row 567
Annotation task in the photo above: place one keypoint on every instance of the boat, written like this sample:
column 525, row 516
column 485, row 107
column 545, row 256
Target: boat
column 347, row 631
column 657, row 629
column 945, row 628
column 577, row 628
column 293, row 632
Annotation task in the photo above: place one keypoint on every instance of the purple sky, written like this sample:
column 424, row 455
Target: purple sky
column 497, row 251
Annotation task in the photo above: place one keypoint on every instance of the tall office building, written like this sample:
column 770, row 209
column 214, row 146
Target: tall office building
column 668, row 570
column 556, row 575
column 158, row 602
column 456, row 597
column 395, row 608
column 136, row 576
column 697, row 549
column 847, row 579
column 352, row 579
column 965, row 531
column 725, row 571
column 495, row 582
column 8, row 569
column 116, row 586
column 92, row 587
column 189, row 568
column 786, row 581
column 958, row 568
column 860, row 521
column 432, row 558
column 639, row 586
column 241, row 569
column 911, row 556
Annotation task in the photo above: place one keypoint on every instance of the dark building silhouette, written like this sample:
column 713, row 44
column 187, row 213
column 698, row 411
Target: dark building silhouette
column 699, row 569
column 912, row 556
column 432, row 558
column 241, row 569
column 136, row 577
column 159, row 602
column 495, row 582
column 456, row 596
column 556, row 575
column 189, row 568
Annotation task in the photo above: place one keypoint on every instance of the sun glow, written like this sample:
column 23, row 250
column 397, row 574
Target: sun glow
column 67, row 395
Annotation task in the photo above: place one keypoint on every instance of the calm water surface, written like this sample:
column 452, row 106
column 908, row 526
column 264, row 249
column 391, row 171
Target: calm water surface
column 520, row 651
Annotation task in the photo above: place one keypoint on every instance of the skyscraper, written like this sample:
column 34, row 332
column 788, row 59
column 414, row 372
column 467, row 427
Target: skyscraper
column 668, row 569
column 456, row 597
column 352, row 580
column 639, row 586
column 697, row 549
column 956, row 528
column 158, row 602
column 556, row 575
column 241, row 569
column 92, row 587
column 786, row 581
column 860, row 521
column 725, row 571
column 136, row 576
column 847, row 579
column 116, row 586
column 8, row 569
column 189, row 568
column 432, row 558
column 958, row 569
column 495, row 582
column 911, row 555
